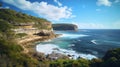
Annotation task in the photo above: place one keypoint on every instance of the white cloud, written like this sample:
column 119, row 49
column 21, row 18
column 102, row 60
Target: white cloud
column 42, row 9
column 104, row 2
column 56, row 1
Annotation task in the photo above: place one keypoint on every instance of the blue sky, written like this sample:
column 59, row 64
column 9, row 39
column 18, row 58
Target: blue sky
column 87, row 14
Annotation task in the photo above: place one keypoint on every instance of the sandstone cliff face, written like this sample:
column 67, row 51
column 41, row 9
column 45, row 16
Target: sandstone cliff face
column 63, row 27
column 23, row 23
column 32, row 28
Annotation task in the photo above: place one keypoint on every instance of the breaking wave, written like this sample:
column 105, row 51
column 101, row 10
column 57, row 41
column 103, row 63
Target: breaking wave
column 50, row 48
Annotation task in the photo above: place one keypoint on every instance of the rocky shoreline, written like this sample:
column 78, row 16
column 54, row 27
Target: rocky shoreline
column 28, row 43
column 30, row 40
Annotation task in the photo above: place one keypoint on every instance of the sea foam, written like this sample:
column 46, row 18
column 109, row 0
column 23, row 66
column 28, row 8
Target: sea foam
column 50, row 48
column 94, row 41
column 73, row 35
column 46, row 49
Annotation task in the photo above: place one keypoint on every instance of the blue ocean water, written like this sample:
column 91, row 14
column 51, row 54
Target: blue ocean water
column 86, row 43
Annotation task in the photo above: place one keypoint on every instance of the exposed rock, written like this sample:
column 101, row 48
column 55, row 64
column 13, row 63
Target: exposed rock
column 43, row 33
column 39, row 56
column 65, row 27
column 56, row 49
column 55, row 56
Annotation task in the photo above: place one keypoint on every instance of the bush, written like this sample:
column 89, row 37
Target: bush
column 112, row 58
column 112, row 53
column 95, row 62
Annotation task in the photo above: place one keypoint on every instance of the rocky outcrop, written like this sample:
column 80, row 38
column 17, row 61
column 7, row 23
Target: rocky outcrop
column 63, row 27
column 41, row 36
column 45, row 33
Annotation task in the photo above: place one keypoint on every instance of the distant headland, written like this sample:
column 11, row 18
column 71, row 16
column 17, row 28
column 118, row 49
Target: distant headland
column 64, row 27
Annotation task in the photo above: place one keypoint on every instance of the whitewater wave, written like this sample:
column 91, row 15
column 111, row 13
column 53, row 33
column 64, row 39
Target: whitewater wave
column 73, row 35
column 105, row 41
column 50, row 48
column 94, row 41
column 46, row 49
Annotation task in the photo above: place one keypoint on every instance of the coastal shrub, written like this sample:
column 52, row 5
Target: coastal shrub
column 112, row 58
column 55, row 64
column 6, row 47
column 96, row 62
column 4, row 26
column 12, row 52
column 112, row 53
column 14, row 17
column 70, row 63
column 83, row 62
column 5, row 30
column 75, row 64
column 10, row 55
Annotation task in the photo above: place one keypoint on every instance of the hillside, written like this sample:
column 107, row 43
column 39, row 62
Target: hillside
column 17, row 18
column 14, row 28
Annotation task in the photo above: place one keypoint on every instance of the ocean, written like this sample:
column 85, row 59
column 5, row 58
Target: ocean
column 85, row 43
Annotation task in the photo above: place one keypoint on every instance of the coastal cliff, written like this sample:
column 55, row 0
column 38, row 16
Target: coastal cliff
column 21, row 20
column 25, row 26
column 65, row 27
column 18, row 34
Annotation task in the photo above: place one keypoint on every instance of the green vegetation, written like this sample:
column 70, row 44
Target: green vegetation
column 10, row 55
column 15, row 18
column 10, row 52
column 70, row 63
column 18, row 17
column 5, row 30
column 111, row 59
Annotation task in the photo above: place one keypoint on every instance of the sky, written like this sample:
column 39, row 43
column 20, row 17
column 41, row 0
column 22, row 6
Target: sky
column 87, row 14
